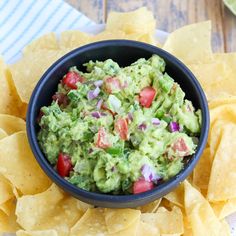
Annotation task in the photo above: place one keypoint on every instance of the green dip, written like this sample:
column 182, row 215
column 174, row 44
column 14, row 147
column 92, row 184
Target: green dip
column 119, row 130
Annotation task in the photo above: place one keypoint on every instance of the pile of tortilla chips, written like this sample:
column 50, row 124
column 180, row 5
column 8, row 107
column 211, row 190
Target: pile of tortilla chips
column 31, row 205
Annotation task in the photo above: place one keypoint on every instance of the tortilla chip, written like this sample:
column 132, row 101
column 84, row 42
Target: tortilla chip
column 22, row 170
column 47, row 41
column 8, row 222
column 147, row 229
column 138, row 21
column 224, row 100
column 91, row 223
column 176, row 196
column 191, row 43
column 50, row 232
column 11, row 124
column 106, row 35
column 168, row 222
column 26, row 77
column 74, row 39
column 51, row 209
column 120, row 219
column 9, row 103
column 202, row 171
column 224, row 209
column 224, row 165
column 199, row 212
column 6, row 191
column 3, row 134
column 151, row 207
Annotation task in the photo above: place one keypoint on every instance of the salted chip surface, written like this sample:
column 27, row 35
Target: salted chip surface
column 6, row 190
column 26, row 77
column 3, row 134
column 51, row 209
column 47, row 41
column 202, row 171
column 50, row 232
column 91, row 223
column 168, row 222
column 19, row 166
column 9, row 100
column 11, row 124
column 8, row 221
column 120, row 219
column 74, row 39
column 147, row 229
column 191, row 43
column 150, row 207
column 176, row 196
column 138, row 21
column 224, row 208
column 224, row 164
column 199, row 212
column 109, row 34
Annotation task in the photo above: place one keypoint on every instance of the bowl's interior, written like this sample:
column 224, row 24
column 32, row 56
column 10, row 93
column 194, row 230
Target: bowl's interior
column 124, row 53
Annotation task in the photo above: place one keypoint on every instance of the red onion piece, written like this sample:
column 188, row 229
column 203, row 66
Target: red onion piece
column 130, row 116
column 93, row 93
column 142, row 126
column 99, row 104
column 98, row 83
column 149, row 174
column 96, row 114
column 155, row 121
column 174, row 126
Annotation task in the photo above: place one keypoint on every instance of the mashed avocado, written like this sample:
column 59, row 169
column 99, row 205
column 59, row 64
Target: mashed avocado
column 119, row 130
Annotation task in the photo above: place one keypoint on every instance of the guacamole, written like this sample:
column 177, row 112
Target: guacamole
column 119, row 130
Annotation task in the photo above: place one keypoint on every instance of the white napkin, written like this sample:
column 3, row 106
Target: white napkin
column 21, row 21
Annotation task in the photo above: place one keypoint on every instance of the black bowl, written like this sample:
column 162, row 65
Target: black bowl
column 124, row 52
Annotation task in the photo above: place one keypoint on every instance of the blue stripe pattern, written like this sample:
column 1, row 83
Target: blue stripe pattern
column 24, row 21
column 8, row 17
column 17, row 23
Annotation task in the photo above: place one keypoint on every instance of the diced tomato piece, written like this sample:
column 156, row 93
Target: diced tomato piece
column 112, row 84
column 102, row 141
column 40, row 115
column 104, row 107
column 146, row 96
column 121, row 126
column 64, row 165
column 71, row 79
column 61, row 98
column 181, row 146
column 141, row 186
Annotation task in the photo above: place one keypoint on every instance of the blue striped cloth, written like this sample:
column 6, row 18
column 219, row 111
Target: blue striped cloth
column 21, row 21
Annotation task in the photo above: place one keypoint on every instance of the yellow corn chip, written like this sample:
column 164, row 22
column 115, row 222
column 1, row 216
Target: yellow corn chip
column 150, row 207
column 201, row 173
column 222, row 183
column 91, row 223
column 26, row 77
column 48, row 210
column 50, row 232
column 191, row 43
column 11, row 124
column 168, row 222
column 3, row 134
column 147, row 229
column 22, row 170
column 200, row 214
column 120, row 219
column 9, row 103
column 47, row 41
column 138, row 21
column 176, row 196
column 74, row 39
